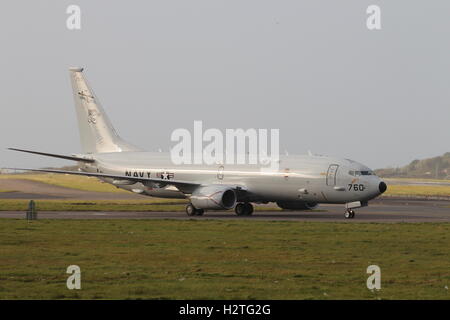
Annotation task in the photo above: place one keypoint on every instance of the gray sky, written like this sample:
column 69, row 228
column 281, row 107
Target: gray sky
column 310, row 68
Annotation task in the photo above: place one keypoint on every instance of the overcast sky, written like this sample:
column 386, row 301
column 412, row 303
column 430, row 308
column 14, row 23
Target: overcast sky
column 309, row 68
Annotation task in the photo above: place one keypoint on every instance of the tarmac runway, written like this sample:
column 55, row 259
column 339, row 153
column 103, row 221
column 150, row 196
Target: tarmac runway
column 384, row 210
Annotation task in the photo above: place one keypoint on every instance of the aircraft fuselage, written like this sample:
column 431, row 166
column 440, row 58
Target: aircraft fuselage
column 315, row 179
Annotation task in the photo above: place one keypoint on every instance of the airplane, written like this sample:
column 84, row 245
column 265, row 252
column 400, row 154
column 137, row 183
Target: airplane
column 300, row 183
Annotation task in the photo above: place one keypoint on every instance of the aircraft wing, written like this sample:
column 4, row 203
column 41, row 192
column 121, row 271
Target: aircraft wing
column 186, row 187
column 183, row 186
column 74, row 158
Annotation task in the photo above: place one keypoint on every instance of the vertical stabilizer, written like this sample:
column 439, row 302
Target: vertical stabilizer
column 96, row 131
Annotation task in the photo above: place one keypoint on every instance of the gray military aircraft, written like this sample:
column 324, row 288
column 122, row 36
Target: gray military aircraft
column 301, row 183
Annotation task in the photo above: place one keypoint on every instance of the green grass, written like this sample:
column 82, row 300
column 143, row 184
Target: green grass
column 418, row 179
column 68, row 181
column 151, row 204
column 412, row 190
column 174, row 259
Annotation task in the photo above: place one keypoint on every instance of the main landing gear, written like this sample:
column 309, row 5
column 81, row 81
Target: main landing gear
column 349, row 214
column 244, row 209
column 193, row 211
column 241, row 209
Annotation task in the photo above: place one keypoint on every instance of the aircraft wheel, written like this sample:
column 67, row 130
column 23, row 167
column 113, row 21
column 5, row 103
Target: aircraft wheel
column 240, row 209
column 248, row 209
column 200, row 212
column 190, row 210
column 349, row 214
column 244, row 209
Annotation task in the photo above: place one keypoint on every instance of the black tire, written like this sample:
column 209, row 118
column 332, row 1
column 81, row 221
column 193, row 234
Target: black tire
column 240, row 209
column 200, row 212
column 190, row 210
column 248, row 209
column 349, row 214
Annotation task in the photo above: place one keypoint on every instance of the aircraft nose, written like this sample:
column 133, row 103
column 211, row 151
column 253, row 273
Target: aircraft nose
column 382, row 187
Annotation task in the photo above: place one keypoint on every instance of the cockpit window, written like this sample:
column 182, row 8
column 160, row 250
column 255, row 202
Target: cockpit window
column 361, row 173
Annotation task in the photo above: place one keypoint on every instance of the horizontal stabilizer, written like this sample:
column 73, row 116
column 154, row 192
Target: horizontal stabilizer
column 55, row 155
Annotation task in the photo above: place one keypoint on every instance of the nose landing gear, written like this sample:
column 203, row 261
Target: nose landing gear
column 349, row 214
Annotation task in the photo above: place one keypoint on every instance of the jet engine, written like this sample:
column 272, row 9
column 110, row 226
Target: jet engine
column 297, row 205
column 213, row 197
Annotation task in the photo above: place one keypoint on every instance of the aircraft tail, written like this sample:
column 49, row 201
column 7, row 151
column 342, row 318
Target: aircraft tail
column 97, row 133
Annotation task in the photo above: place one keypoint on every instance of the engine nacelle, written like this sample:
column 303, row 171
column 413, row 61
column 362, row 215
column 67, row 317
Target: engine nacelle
column 213, row 197
column 297, row 205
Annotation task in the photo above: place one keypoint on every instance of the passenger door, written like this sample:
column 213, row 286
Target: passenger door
column 331, row 174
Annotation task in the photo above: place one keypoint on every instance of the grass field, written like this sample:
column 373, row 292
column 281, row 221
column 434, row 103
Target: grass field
column 417, row 179
column 168, row 259
column 150, row 204
column 412, row 190
column 68, row 181
column 146, row 205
